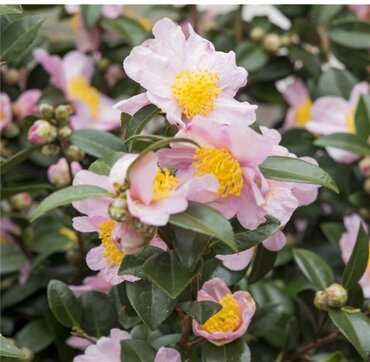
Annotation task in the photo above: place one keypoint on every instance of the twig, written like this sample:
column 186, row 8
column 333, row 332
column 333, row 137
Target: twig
column 185, row 325
column 194, row 17
column 239, row 31
column 78, row 332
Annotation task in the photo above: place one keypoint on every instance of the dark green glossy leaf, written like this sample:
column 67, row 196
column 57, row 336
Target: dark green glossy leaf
column 133, row 350
column 10, row 9
column 201, row 311
column 351, row 34
column 336, row 82
column 324, row 13
column 11, row 259
column 263, row 263
column 35, row 336
column 90, row 15
column 103, row 165
column 237, row 351
column 265, row 317
column 8, row 349
column 16, row 189
column 332, row 231
column 251, row 56
column 362, row 117
column 311, row 63
column 16, row 159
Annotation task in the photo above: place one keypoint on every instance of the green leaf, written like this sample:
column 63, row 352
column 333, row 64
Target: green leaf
column 201, row 311
column 164, row 341
column 151, row 304
column 168, row 273
column 16, row 189
column 344, row 141
column 10, row 9
column 314, row 268
column 103, row 165
column 350, row 33
column 67, row 196
column 63, row 303
column 138, row 121
column 11, row 259
column 16, row 159
column 310, row 62
column 357, row 263
column 96, row 143
column 94, row 322
column 359, row 199
column 251, row 56
column 17, row 37
column 362, row 117
column 264, row 319
column 90, row 15
column 295, row 170
column 35, row 336
column 355, row 327
column 324, row 13
column 262, row 264
column 133, row 350
column 8, row 349
column 336, row 82
column 205, row 220
column 237, row 351
column 278, row 68
column 332, row 231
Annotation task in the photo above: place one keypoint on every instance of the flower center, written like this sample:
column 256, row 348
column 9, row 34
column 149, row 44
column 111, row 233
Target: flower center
column 164, row 184
column 223, row 166
column 78, row 87
column 350, row 120
column 112, row 254
column 303, row 113
column 196, row 91
column 227, row 319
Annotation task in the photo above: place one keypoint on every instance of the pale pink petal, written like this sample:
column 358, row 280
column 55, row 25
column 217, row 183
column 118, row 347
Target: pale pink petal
column 296, row 93
column 95, row 258
column 26, row 103
column 78, row 342
column 87, row 224
column 167, row 355
column 275, row 242
column 118, row 172
column 5, row 111
column 76, row 63
column 214, row 289
column 133, row 104
column 238, row 261
column 112, row 11
column 357, row 91
column 342, row 155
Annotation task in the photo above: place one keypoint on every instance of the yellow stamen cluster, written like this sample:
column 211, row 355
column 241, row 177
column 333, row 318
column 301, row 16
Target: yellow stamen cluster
column 112, row 254
column 303, row 113
column 227, row 319
column 2, row 116
column 78, row 87
column 73, row 23
column 223, row 166
column 196, row 91
column 350, row 120
column 164, row 184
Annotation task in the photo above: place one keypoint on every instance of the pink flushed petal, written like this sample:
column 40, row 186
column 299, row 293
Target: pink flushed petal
column 108, row 118
column 203, row 189
column 165, row 354
column 117, row 175
column 78, row 343
column 131, row 241
column 296, row 93
column 53, row 65
column 342, row 156
column 112, row 11
column 290, row 119
column 87, row 224
column 237, row 261
column 110, row 274
column 176, row 157
column 275, row 242
column 365, row 283
column 95, row 258
column 228, row 206
column 95, row 282
column 158, row 243
column 357, row 91
column 133, row 104
column 26, row 103
column 6, row 111
column 76, row 63
column 214, row 289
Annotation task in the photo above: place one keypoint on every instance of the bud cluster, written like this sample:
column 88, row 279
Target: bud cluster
column 272, row 42
column 335, row 296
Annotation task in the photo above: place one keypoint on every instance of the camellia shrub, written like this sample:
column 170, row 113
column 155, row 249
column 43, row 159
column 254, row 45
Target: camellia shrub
column 206, row 201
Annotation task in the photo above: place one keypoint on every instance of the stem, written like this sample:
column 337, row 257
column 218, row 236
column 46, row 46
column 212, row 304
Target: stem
column 78, row 332
column 185, row 325
column 239, row 25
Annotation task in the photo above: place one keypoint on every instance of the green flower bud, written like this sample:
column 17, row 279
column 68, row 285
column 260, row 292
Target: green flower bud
column 118, row 210
column 11, row 130
column 50, row 150
column 11, row 76
column 285, row 40
column 21, row 201
column 64, row 132
column 145, row 229
column 74, row 153
column 336, row 296
column 47, row 111
column 41, row 132
column 63, row 113
column 271, row 42
column 257, row 33
column 365, row 166
column 320, row 301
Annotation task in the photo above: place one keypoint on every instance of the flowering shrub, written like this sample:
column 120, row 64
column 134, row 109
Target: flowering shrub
column 207, row 201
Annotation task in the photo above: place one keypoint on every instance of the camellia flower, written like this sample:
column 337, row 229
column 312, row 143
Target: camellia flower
column 347, row 243
column 72, row 76
column 186, row 78
column 5, row 111
column 26, row 103
column 232, row 321
column 58, row 173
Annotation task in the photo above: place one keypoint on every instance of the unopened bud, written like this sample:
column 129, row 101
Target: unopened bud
column 285, row 40
column 365, row 166
column 211, row 27
column 257, row 33
column 102, row 64
column 47, row 111
column 145, row 229
column 11, row 130
column 74, row 153
column 11, row 76
column 271, row 42
column 118, row 210
column 59, row 173
column 41, row 133
column 50, row 150
column 62, row 113
column 367, row 185
column 21, row 201
column 335, row 296
column 64, row 132
column 29, row 355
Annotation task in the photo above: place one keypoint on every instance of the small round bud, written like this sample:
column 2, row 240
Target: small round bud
column 29, row 355
column 285, row 40
column 118, row 210
column 59, row 174
column 41, row 133
column 11, row 130
column 257, row 34
column 102, row 64
column 64, row 132
column 320, row 301
column 62, row 113
column 21, row 201
column 365, row 166
column 47, row 111
column 50, row 150
column 211, row 27
column 271, row 42
column 367, row 185
column 74, row 153
column 336, row 296
column 11, row 76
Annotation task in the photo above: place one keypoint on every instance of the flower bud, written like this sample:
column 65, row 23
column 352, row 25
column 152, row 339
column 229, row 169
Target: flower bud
column 365, row 166
column 257, row 33
column 271, row 42
column 285, row 40
column 29, row 355
column 320, row 301
column 64, row 132
column 21, row 201
column 367, row 185
column 336, row 296
column 11, row 130
column 50, row 150
column 145, row 229
column 62, row 113
column 41, row 133
column 118, row 210
column 74, row 153
column 47, row 111
column 11, row 76
column 211, row 27
column 59, row 175
column 102, row 64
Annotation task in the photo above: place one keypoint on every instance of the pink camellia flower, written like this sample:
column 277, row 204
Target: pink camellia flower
column 337, row 115
column 58, row 173
column 232, row 321
column 72, row 76
column 95, row 282
column 26, row 103
column 186, row 78
column 347, row 243
column 166, row 354
column 5, row 111
column 361, row 10
column 41, row 132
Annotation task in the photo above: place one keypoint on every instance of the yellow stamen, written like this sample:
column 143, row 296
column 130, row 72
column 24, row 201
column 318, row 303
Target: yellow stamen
column 227, row 319
column 78, row 87
column 68, row 233
column 350, row 120
column 196, row 91
column 112, row 254
column 223, row 166
column 164, row 184
column 73, row 23
column 303, row 113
